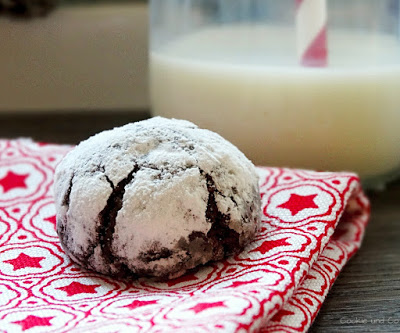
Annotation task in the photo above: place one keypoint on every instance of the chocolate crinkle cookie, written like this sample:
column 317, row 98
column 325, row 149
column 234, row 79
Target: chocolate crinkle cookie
column 154, row 199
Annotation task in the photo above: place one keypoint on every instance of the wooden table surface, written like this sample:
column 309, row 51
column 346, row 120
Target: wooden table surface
column 366, row 295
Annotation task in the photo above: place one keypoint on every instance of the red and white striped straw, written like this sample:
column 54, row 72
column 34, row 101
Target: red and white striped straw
column 311, row 22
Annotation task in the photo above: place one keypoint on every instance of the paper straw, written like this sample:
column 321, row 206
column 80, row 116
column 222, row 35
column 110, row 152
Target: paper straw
column 311, row 21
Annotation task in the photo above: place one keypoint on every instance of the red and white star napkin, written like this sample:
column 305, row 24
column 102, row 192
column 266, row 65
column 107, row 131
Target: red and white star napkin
column 312, row 224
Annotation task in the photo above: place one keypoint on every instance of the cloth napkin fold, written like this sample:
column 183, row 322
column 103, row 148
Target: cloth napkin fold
column 312, row 224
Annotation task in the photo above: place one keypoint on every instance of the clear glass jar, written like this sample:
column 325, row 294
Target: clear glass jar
column 233, row 66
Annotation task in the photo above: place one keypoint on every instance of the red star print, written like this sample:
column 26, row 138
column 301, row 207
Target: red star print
column 12, row 180
column 297, row 203
column 51, row 219
column 75, row 288
column 23, row 261
column 137, row 304
column 204, row 306
column 270, row 244
column 241, row 283
column 278, row 317
column 33, row 321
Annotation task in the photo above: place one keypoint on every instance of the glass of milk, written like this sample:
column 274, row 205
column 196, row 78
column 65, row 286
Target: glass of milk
column 232, row 66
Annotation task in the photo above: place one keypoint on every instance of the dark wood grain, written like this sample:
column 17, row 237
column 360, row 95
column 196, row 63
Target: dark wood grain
column 366, row 295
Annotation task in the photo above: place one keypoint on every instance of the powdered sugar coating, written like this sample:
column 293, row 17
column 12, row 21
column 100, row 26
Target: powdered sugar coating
column 153, row 198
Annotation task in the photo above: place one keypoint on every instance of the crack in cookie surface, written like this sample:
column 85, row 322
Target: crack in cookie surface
column 224, row 239
column 67, row 195
column 108, row 216
column 61, row 222
column 156, row 252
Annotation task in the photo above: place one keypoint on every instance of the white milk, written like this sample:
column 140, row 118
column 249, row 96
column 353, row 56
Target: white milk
column 345, row 117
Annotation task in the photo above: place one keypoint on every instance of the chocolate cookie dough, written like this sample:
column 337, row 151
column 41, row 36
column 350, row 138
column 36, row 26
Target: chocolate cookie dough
column 155, row 198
